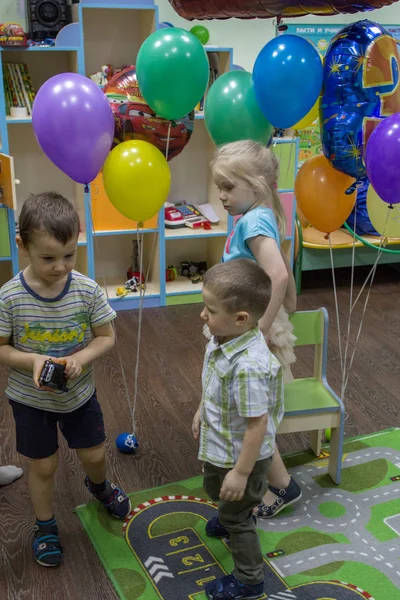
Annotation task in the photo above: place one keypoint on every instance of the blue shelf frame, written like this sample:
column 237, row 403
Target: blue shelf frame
column 72, row 38
column 5, row 122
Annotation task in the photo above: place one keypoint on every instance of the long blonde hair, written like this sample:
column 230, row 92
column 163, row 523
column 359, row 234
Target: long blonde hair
column 258, row 166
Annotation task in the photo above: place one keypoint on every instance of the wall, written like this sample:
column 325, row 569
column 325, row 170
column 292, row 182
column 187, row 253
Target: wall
column 248, row 37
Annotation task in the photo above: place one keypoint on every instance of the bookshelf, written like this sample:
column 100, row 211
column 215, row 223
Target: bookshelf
column 112, row 33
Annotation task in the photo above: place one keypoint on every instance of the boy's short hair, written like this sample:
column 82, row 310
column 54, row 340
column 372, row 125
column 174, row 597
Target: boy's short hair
column 240, row 284
column 49, row 212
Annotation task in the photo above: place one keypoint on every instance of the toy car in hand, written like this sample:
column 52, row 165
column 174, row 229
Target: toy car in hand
column 53, row 376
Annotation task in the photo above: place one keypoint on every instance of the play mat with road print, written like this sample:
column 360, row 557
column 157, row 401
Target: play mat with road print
column 338, row 543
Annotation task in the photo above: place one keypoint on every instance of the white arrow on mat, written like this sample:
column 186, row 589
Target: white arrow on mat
column 156, row 568
column 151, row 560
column 162, row 574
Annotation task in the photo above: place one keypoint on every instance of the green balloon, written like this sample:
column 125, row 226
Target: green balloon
column 172, row 70
column 201, row 33
column 231, row 111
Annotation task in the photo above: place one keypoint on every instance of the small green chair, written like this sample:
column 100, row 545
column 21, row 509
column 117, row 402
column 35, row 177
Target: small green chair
column 310, row 404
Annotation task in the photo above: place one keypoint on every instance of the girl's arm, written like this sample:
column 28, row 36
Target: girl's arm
column 290, row 300
column 269, row 257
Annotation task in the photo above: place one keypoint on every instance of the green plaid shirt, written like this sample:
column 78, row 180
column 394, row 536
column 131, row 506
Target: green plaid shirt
column 241, row 379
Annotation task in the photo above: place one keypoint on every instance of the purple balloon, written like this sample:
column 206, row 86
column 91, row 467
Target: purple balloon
column 382, row 159
column 237, row 68
column 74, row 125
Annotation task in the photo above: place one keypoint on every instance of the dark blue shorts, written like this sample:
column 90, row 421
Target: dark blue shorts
column 37, row 429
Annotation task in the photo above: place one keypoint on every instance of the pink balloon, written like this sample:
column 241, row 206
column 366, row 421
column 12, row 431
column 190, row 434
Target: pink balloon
column 74, row 125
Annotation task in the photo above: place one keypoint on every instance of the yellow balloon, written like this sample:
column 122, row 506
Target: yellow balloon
column 378, row 213
column 310, row 117
column 137, row 179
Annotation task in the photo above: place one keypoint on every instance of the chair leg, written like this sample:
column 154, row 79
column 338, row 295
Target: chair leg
column 316, row 441
column 336, row 454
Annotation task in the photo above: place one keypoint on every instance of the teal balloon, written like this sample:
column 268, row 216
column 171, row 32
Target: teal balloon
column 201, row 33
column 172, row 70
column 231, row 111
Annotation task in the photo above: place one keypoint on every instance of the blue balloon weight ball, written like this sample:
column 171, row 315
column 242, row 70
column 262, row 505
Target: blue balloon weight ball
column 127, row 443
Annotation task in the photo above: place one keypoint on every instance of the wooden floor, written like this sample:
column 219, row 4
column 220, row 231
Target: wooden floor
column 172, row 350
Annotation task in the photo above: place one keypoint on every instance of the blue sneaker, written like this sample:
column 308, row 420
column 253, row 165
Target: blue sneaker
column 230, row 588
column 46, row 545
column 115, row 501
column 286, row 497
column 215, row 529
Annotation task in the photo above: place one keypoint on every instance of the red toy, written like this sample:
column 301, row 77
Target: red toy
column 134, row 119
column 134, row 270
column 171, row 273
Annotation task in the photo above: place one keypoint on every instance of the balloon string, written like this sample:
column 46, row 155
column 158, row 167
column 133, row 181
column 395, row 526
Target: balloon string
column 142, row 290
column 168, row 139
column 290, row 155
column 108, row 299
column 140, row 240
column 336, row 303
column 372, row 275
column 353, row 257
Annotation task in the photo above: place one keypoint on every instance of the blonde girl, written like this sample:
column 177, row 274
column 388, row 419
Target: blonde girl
column 246, row 175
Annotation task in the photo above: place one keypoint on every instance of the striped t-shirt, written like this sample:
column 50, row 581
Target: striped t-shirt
column 55, row 327
column 241, row 379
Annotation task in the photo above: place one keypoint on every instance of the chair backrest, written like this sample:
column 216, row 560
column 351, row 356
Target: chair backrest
column 311, row 329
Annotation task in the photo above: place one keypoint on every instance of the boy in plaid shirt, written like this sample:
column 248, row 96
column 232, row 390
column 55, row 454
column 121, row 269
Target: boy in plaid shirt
column 240, row 411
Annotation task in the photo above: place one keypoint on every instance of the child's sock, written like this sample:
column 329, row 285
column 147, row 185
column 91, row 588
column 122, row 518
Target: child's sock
column 9, row 474
column 95, row 488
column 46, row 544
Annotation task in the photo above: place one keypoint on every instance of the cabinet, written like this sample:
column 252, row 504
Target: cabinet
column 112, row 33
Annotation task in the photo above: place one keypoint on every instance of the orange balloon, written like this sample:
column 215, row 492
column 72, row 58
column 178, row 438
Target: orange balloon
column 321, row 194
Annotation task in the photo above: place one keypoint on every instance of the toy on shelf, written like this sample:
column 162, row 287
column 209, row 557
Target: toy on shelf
column 132, row 285
column 12, row 35
column 18, row 88
column 171, row 273
column 134, row 270
column 135, row 120
column 103, row 76
column 122, row 292
column 187, row 215
column 196, row 278
column 193, row 270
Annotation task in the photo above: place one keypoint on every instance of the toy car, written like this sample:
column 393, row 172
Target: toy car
column 190, row 268
column 196, row 278
column 53, row 376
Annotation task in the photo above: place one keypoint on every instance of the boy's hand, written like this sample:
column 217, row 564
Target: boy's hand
column 233, row 486
column 38, row 361
column 73, row 367
column 196, row 425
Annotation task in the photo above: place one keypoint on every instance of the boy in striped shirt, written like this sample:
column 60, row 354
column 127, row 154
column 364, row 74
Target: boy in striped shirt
column 240, row 411
column 49, row 310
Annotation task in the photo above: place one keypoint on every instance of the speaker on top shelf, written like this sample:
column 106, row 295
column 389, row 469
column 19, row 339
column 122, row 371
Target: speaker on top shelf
column 47, row 18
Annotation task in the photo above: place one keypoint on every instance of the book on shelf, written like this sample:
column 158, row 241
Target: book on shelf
column 18, row 89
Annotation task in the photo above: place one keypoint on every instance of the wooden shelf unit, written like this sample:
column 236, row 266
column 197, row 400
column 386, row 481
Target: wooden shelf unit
column 112, row 33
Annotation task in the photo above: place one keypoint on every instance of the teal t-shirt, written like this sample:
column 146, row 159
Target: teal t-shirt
column 258, row 221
